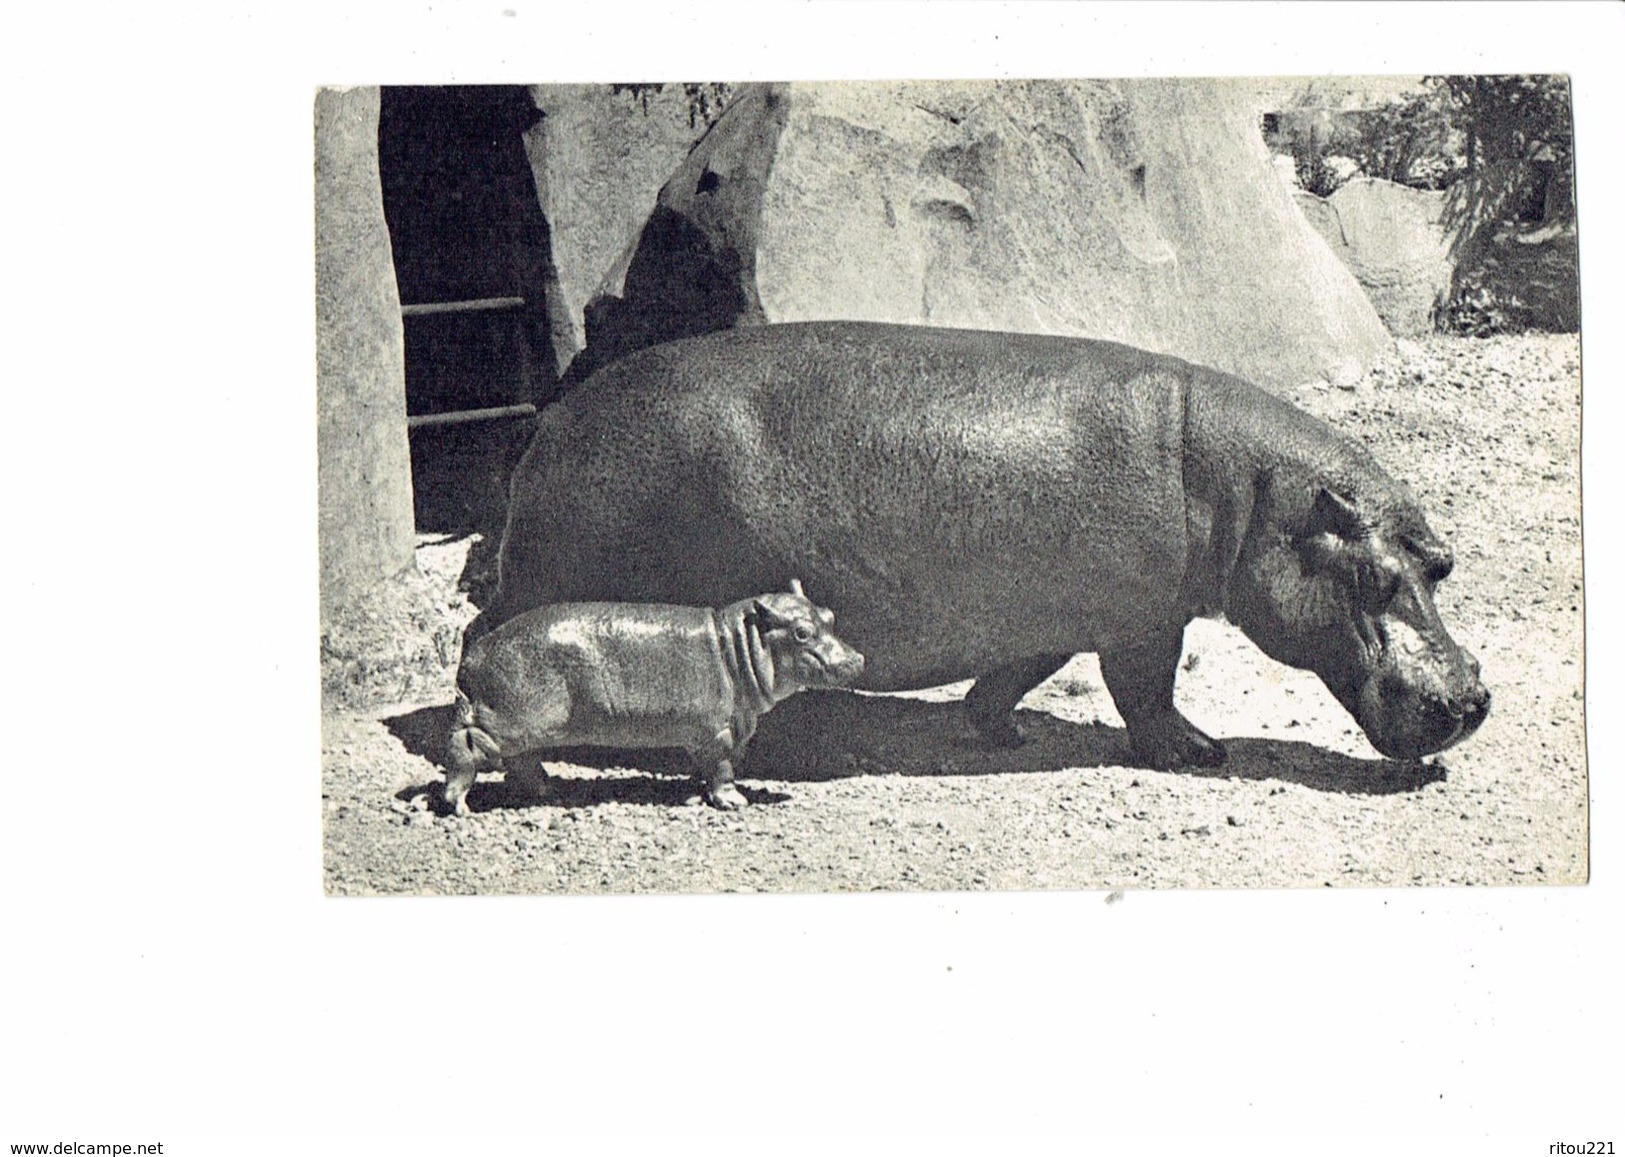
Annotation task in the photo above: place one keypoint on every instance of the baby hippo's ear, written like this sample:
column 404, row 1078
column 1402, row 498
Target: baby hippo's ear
column 766, row 616
column 795, row 589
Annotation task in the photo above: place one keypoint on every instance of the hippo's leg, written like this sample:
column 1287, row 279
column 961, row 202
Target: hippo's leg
column 469, row 751
column 1141, row 680
column 992, row 701
column 526, row 777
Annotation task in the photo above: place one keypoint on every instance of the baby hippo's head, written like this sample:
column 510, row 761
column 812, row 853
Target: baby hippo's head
column 802, row 641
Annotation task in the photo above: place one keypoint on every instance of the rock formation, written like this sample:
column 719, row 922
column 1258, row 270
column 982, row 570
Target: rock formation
column 364, row 479
column 1142, row 211
column 1392, row 240
column 600, row 155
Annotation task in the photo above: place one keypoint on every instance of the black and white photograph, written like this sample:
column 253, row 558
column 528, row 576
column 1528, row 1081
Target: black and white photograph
column 951, row 485
column 814, row 577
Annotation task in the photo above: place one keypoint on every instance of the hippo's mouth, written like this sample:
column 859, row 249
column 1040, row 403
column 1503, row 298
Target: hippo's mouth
column 840, row 672
column 1404, row 723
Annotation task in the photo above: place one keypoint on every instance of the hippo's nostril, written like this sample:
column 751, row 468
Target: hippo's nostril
column 1474, row 701
column 1475, row 710
column 1450, row 706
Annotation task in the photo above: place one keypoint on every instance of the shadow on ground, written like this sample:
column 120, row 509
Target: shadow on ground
column 635, row 787
column 828, row 736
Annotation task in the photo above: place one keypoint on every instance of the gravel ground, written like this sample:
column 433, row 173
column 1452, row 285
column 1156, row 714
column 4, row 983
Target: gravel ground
column 859, row 792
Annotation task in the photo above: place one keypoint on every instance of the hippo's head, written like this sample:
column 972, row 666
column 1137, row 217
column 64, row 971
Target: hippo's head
column 1343, row 586
column 802, row 641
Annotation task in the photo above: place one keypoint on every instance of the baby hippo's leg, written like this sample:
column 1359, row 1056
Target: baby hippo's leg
column 508, row 720
column 469, row 750
column 714, row 771
column 718, row 781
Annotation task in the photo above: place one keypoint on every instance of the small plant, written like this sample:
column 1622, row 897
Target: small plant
column 1478, row 309
column 705, row 101
column 1499, row 147
column 1317, row 169
column 1409, row 141
column 1518, row 132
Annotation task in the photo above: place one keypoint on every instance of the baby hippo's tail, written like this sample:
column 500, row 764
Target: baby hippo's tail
column 469, row 750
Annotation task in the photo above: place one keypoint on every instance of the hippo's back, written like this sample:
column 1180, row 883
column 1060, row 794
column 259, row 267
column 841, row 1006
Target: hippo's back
column 959, row 498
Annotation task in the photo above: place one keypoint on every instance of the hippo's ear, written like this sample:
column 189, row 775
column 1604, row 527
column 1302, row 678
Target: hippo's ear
column 1335, row 515
column 1330, row 535
column 795, row 588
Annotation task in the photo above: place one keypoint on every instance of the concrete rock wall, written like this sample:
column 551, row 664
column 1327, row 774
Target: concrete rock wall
column 1392, row 240
column 365, row 480
column 599, row 157
column 1139, row 211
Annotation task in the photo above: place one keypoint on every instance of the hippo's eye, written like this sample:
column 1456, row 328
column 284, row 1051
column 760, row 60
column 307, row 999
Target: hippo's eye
column 1436, row 559
column 1380, row 585
column 803, row 633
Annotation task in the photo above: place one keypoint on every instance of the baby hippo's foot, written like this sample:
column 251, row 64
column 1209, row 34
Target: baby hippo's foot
column 453, row 794
column 454, row 803
column 725, row 796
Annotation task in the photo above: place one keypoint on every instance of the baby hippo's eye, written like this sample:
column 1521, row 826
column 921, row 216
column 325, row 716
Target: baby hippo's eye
column 803, row 633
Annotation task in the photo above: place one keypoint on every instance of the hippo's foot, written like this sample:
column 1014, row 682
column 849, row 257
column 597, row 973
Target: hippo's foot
column 991, row 701
column 1141, row 680
column 715, row 776
column 1001, row 731
column 1172, row 741
column 526, row 780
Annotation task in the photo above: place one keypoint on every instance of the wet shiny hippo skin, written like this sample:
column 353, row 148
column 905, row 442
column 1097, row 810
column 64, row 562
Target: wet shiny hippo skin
column 986, row 505
column 638, row 676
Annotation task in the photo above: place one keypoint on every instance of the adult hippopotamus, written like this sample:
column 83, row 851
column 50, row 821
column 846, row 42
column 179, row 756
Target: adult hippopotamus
column 985, row 505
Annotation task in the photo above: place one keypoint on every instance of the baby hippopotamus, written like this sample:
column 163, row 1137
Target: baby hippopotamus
column 640, row 675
